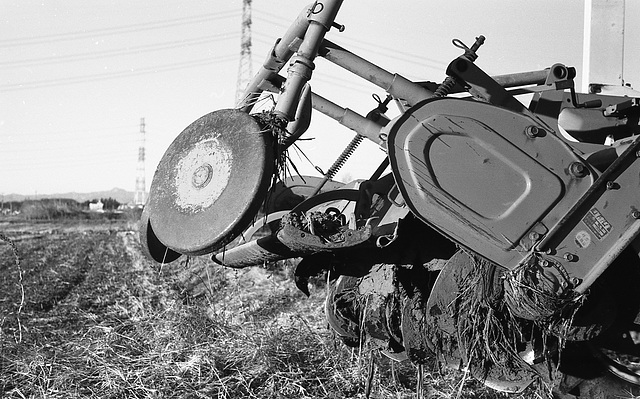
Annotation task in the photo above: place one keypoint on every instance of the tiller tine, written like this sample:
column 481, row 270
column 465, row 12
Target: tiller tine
column 467, row 330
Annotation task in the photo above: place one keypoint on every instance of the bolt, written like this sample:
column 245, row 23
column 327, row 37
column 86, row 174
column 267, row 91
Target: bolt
column 576, row 281
column 202, row 176
column 638, row 153
column 543, row 262
column 534, row 236
column 570, row 257
column 635, row 214
column 611, row 185
column 532, row 131
column 549, row 251
column 577, row 169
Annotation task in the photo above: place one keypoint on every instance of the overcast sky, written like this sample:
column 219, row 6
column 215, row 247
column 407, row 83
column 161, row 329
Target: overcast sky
column 76, row 76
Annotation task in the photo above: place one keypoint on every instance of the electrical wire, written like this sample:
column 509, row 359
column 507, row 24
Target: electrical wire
column 91, row 131
column 363, row 45
column 118, row 52
column 139, row 27
column 115, row 75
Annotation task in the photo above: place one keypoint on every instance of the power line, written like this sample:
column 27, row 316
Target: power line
column 115, row 30
column 89, row 130
column 71, row 164
column 115, row 75
column 284, row 21
column 95, row 145
column 392, row 53
column 117, row 52
column 91, row 158
column 360, row 44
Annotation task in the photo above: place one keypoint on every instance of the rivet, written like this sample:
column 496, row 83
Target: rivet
column 543, row 263
column 570, row 257
column 611, row 185
column 534, row 236
column 576, row 281
column 635, row 214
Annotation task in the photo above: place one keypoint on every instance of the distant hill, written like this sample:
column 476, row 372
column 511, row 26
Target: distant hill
column 120, row 195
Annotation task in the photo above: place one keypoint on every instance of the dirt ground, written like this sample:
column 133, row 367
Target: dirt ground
column 83, row 314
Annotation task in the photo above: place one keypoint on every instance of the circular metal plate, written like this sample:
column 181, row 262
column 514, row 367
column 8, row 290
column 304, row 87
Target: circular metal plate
column 210, row 182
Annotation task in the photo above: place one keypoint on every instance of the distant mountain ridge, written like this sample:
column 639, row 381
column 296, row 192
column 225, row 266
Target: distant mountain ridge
column 119, row 194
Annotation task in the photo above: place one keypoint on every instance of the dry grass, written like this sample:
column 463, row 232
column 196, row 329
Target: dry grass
column 100, row 321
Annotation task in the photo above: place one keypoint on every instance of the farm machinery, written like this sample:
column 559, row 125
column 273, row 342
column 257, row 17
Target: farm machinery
column 498, row 238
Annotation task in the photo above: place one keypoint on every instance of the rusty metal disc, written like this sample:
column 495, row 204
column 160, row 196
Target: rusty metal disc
column 210, row 182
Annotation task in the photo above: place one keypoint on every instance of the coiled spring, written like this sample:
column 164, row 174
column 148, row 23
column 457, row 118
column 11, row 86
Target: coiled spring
column 348, row 151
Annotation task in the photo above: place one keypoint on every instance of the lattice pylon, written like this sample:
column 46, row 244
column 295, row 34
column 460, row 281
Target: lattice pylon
column 245, row 70
column 140, row 195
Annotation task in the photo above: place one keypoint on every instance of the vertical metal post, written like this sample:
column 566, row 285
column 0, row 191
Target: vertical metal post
column 603, row 50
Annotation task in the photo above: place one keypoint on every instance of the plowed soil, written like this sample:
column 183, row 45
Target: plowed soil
column 83, row 314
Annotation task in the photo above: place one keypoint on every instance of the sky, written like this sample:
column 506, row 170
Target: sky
column 77, row 76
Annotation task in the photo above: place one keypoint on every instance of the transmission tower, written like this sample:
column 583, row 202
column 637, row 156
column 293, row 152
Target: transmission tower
column 140, row 195
column 245, row 71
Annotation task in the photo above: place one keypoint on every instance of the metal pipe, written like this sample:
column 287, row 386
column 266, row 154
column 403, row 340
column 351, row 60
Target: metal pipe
column 522, row 78
column 321, row 17
column 394, row 84
column 280, row 53
column 347, row 118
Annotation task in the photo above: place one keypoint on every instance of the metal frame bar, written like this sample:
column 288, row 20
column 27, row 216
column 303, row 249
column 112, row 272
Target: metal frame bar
column 304, row 40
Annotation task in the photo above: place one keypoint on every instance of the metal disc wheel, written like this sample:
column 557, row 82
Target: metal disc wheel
column 210, row 182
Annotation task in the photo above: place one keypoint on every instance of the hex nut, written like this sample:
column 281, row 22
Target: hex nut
column 578, row 169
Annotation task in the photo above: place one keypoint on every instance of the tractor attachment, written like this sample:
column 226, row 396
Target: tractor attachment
column 499, row 238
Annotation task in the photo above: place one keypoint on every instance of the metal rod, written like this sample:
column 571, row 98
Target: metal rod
column 347, row 117
column 394, row 84
column 522, row 78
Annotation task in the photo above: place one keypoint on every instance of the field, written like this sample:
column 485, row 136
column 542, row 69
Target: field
column 83, row 314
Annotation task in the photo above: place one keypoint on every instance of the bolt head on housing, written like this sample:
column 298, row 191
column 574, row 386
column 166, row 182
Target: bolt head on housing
column 578, row 169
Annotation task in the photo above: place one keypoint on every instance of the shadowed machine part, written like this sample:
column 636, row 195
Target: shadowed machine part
column 151, row 246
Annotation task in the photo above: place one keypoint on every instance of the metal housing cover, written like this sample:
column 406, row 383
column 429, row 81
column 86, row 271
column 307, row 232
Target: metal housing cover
column 469, row 169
